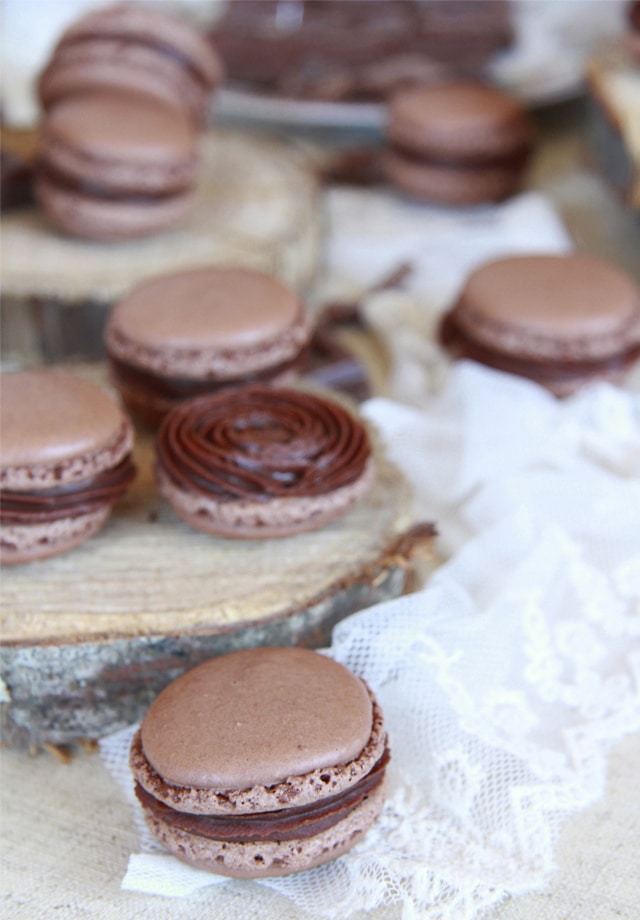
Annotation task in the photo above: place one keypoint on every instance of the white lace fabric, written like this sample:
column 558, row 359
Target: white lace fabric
column 506, row 679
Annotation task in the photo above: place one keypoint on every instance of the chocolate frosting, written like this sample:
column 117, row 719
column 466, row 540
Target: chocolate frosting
column 296, row 823
column 261, row 443
column 66, row 501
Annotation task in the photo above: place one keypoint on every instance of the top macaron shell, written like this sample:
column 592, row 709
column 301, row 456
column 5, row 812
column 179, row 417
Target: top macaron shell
column 214, row 323
column 465, row 122
column 57, row 429
column 566, row 307
column 255, row 718
column 135, row 47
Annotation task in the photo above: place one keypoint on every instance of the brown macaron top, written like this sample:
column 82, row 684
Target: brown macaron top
column 464, row 121
column 208, row 322
column 566, row 307
column 119, row 140
column 255, row 718
column 57, row 429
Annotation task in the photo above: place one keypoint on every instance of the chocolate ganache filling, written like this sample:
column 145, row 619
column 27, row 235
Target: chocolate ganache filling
column 262, row 443
column 40, row 507
column 296, row 823
column 477, row 159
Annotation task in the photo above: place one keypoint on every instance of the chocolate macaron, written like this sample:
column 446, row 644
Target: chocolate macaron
column 262, row 762
column 65, row 461
column 262, row 461
column 113, row 166
column 561, row 320
column 138, row 48
column 458, row 143
column 187, row 333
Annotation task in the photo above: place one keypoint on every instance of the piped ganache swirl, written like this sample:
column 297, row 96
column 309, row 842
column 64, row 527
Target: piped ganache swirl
column 70, row 500
column 262, row 443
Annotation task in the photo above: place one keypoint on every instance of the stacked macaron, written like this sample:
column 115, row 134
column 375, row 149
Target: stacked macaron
column 201, row 330
column 262, row 762
column 459, row 143
column 560, row 320
column 134, row 48
column 65, row 462
column 115, row 166
column 125, row 95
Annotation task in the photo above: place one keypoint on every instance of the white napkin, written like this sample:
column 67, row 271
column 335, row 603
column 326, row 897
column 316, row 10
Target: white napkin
column 507, row 678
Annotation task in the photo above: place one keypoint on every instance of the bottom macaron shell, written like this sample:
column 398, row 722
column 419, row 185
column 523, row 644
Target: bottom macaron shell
column 104, row 219
column 270, row 858
column 278, row 517
column 450, row 185
column 31, row 542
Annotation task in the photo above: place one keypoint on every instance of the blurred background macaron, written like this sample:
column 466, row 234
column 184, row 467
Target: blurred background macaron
column 560, row 320
column 257, row 462
column 456, row 143
column 136, row 47
column 65, row 460
column 183, row 334
column 262, row 762
column 113, row 166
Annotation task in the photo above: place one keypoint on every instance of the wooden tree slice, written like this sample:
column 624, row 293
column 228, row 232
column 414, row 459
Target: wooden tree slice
column 256, row 207
column 90, row 637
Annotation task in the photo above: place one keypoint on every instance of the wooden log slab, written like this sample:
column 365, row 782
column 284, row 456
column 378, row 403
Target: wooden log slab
column 90, row 637
column 256, row 206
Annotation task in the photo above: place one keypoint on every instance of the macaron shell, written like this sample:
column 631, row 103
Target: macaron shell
column 306, row 789
column 450, row 185
column 209, row 323
column 120, row 141
column 575, row 306
column 117, row 219
column 30, row 543
column 230, row 307
column 57, row 428
column 262, row 520
column 270, row 858
column 256, row 717
column 463, row 121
